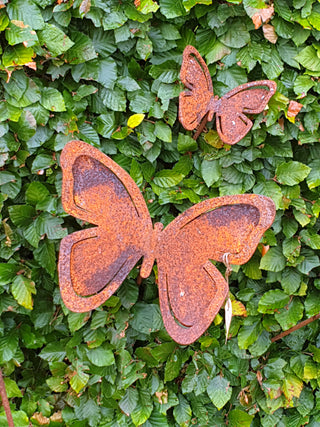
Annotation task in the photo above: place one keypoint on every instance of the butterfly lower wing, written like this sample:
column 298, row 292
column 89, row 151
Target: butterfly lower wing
column 195, row 76
column 190, row 300
column 251, row 98
column 94, row 262
column 191, row 289
column 91, row 268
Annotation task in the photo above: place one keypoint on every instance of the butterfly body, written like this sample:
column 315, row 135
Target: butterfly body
column 93, row 262
column 199, row 104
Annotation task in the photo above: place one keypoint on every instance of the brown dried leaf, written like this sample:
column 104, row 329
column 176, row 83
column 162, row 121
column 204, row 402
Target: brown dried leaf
column 269, row 33
column 32, row 65
column 262, row 16
column 85, row 6
column 19, row 24
column 162, row 396
column 56, row 417
column 294, row 108
column 40, row 419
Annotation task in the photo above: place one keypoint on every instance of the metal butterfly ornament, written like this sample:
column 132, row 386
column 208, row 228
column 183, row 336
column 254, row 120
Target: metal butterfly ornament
column 94, row 262
column 198, row 104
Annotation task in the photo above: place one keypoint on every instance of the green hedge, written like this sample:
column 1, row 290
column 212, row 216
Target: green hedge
column 79, row 69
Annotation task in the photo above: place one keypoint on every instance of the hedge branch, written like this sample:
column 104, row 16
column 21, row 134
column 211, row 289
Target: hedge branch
column 296, row 327
column 5, row 401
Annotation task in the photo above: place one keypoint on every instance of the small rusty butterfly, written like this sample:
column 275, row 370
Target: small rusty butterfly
column 198, row 104
column 95, row 261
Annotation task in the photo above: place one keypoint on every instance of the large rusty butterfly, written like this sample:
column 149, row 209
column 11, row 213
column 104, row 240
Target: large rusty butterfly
column 94, row 262
column 198, row 104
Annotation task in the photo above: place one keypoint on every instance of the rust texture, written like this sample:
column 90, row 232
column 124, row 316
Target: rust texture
column 94, row 262
column 197, row 105
column 5, row 401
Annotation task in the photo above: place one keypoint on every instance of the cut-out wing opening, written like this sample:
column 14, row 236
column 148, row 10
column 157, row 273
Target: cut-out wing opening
column 191, row 289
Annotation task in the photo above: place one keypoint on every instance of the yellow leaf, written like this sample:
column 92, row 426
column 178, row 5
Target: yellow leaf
column 292, row 387
column 238, row 309
column 135, row 120
column 218, row 319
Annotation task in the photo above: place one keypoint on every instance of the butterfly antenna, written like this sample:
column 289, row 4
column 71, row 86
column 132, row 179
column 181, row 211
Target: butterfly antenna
column 201, row 127
column 228, row 304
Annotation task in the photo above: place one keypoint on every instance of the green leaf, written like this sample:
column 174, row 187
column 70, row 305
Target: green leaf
column 54, row 352
column 313, row 179
column 144, row 48
column 36, row 193
column 310, row 238
column 8, row 346
column 173, row 366
column 182, row 412
column 114, row 99
column 273, row 300
column 129, row 401
column 167, row 178
column 81, row 51
column 172, row 9
column 147, row 318
column 17, row 55
column 248, row 334
column 45, row 254
column 238, row 418
column 291, row 173
column 186, row 143
column 309, row 59
column 237, row 35
column 290, row 280
column 144, row 407
column 210, row 171
column 7, row 273
column 22, row 289
column 101, row 357
column 52, row 100
column 17, row 32
column 21, row 215
column 55, row 40
column 218, row 51
column 12, row 388
column 163, row 132
column 289, row 316
column 20, row 419
column 219, row 391
column 273, row 260
column 312, row 303
column 27, row 12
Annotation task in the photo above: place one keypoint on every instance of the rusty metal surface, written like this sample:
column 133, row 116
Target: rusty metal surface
column 94, row 262
column 197, row 105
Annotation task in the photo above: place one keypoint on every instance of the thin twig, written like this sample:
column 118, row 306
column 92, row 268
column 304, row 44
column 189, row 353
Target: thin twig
column 5, row 401
column 296, row 327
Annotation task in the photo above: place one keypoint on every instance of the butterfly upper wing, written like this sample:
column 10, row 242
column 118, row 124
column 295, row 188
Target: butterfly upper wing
column 195, row 76
column 191, row 289
column 250, row 98
column 94, row 262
